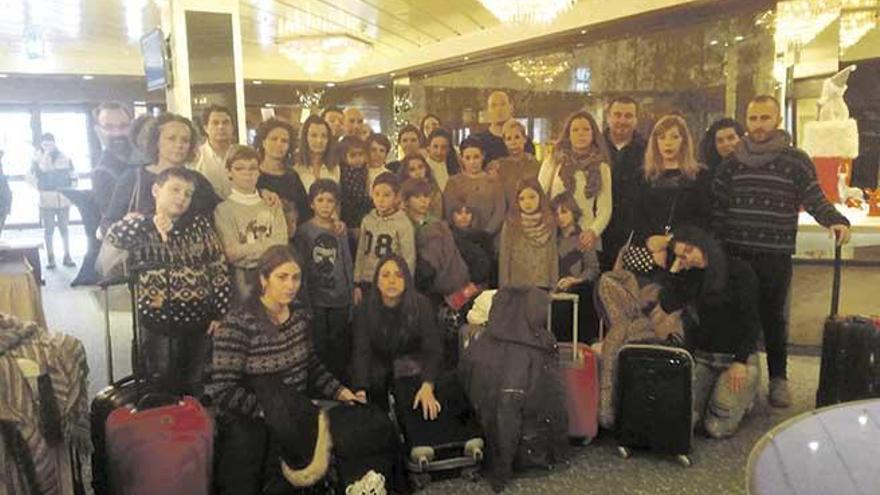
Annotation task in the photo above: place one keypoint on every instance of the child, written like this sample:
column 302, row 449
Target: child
column 354, row 197
column 182, row 281
column 386, row 229
column 481, row 192
column 578, row 271
column 474, row 245
column 527, row 251
column 378, row 146
column 518, row 164
column 328, row 268
column 416, row 167
column 245, row 224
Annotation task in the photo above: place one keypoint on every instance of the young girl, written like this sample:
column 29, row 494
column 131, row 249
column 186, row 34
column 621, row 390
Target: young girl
column 355, row 199
column 416, row 167
column 315, row 161
column 441, row 157
column 410, row 141
column 527, row 251
column 481, row 192
column 518, row 164
column 474, row 245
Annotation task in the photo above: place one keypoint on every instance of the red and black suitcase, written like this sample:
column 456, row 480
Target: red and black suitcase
column 579, row 367
column 654, row 407
column 850, row 368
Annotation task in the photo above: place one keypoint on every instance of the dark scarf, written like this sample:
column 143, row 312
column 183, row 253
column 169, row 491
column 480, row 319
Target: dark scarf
column 571, row 162
column 754, row 154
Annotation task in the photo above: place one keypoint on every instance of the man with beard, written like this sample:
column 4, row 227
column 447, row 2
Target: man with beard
column 112, row 122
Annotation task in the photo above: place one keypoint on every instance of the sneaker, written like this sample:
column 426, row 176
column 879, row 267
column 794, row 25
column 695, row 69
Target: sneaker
column 779, row 395
column 68, row 261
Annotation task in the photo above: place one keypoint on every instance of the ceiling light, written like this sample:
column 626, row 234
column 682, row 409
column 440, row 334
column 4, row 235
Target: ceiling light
column 392, row 74
column 541, row 70
column 330, row 84
column 380, row 86
column 466, row 58
column 713, row 42
column 527, row 11
column 4, row 76
column 799, row 21
column 336, row 52
column 583, row 31
column 739, row 38
column 257, row 82
column 88, row 77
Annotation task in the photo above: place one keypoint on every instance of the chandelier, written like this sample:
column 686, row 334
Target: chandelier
column 799, row 21
column 321, row 53
column 527, row 11
column 541, row 70
column 857, row 18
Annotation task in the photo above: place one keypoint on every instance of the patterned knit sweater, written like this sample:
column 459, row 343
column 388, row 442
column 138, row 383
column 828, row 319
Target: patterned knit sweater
column 247, row 344
column 759, row 191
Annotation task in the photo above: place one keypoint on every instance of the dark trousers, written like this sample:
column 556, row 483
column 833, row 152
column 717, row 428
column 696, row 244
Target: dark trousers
column 774, row 280
column 455, row 423
column 176, row 363
column 332, row 340
column 241, row 456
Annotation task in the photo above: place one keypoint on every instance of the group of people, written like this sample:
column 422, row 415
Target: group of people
column 309, row 260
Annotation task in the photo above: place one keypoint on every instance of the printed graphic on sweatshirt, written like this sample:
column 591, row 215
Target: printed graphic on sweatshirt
column 325, row 256
column 257, row 229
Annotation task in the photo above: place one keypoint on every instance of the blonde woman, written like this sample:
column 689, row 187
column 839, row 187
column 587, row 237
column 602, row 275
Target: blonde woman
column 675, row 188
column 579, row 164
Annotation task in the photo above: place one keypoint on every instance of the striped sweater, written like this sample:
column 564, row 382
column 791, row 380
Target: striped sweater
column 246, row 345
column 758, row 194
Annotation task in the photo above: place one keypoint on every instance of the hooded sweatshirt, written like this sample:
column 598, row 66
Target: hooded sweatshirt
column 759, row 190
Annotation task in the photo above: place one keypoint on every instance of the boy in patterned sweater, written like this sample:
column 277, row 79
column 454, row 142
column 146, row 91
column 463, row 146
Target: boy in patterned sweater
column 182, row 282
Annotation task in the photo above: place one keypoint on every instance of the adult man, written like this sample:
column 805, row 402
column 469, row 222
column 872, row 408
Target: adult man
column 499, row 110
column 352, row 121
column 627, row 150
column 759, row 190
column 334, row 118
column 217, row 121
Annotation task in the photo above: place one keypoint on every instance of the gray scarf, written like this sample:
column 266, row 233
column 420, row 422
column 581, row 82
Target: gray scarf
column 754, row 154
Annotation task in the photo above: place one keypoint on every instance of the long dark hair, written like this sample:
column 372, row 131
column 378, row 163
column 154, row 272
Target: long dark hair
column 263, row 132
column 452, row 165
column 409, row 300
column 715, row 273
column 305, row 152
column 271, row 259
column 708, row 151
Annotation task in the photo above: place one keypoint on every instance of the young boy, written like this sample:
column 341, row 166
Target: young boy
column 475, row 246
column 247, row 226
column 518, row 164
column 328, row 269
column 182, row 281
column 378, row 145
column 384, row 230
column 481, row 192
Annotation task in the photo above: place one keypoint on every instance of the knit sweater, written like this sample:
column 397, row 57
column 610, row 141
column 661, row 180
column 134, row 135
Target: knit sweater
column 522, row 263
column 483, row 194
column 247, row 227
column 354, row 200
column 247, row 344
column 513, row 169
column 759, row 190
column 380, row 236
column 328, row 265
column 183, row 284
column 440, row 268
column 582, row 265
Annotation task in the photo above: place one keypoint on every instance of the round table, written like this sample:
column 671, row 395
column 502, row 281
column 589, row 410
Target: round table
column 832, row 450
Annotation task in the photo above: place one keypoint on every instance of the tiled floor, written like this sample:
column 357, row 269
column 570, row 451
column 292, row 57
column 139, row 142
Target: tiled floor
column 719, row 466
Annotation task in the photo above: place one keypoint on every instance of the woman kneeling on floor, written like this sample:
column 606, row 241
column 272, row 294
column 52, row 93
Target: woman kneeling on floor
column 723, row 340
column 263, row 364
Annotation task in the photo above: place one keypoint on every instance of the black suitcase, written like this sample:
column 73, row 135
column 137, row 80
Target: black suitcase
column 850, row 368
column 654, row 406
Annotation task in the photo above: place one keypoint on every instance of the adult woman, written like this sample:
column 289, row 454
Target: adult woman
column 724, row 292
column 315, row 153
column 442, row 158
column 675, row 189
column 410, row 140
column 719, row 142
column 172, row 142
column 52, row 171
column 275, row 142
column 579, row 164
column 429, row 124
column 263, row 364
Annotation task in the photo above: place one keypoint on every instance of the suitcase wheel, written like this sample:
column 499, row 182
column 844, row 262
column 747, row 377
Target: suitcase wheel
column 623, row 452
column 471, row 474
column 684, row 460
column 419, row 480
column 421, row 456
column 474, row 449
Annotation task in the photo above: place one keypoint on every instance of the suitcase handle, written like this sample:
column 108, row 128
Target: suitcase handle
column 154, row 400
column 575, row 301
column 835, row 284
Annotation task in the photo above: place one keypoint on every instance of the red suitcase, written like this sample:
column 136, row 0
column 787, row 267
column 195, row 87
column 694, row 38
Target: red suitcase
column 580, row 371
column 164, row 450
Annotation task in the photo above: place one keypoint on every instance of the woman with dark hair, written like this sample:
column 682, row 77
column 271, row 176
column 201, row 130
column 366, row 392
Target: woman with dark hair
column 263, row 365
column 719, row 142
column 723, row 337
column 579, row 164
column 52, row 171
column 315, row 153
column 675, row 189
column 275, row 142
column 441, row 156
column 410, row 140
column 172, row 142
column 429, row 123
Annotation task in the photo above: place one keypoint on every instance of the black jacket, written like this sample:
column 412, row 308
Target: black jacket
column 626, row 174
column 672, row 200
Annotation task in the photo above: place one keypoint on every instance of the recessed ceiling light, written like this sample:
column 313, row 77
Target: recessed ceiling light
column 258, row 82
column 88, row 77
column 583, row 31
column 330, row 84
column 380, row 86
column 139, row 103
column 739, row 38
column 391, row 74
column 579, row 45
column 713, row 42
column 466, row 57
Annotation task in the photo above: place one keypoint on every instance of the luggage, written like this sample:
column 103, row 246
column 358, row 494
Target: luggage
column 850, row 368
column 166, row 449
column 450, row 444
column 579, row 367
column 364, row 439
column 654, row 405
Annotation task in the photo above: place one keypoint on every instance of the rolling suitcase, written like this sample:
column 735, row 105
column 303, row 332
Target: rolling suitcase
column 654, row 406
column 579, row 368
column 850, row 368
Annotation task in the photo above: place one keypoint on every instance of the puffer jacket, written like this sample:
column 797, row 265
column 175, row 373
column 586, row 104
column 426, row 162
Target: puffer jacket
column 511, row 374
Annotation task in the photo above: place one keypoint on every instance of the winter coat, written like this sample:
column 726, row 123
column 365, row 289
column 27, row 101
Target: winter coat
column 511, row 374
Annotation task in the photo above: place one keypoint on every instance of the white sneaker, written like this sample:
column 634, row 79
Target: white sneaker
column 372, row 483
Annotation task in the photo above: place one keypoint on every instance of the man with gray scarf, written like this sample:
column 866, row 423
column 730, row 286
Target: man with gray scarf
column 759, row 190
